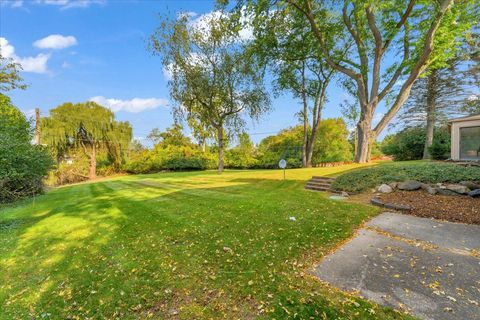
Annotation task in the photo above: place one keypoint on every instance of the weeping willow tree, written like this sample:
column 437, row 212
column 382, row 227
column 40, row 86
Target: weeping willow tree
column 89, row 127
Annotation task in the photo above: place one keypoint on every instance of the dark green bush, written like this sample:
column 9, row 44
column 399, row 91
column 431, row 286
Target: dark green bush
column 440, row 148
column 427, row 172
column 22, row 165
column 405, row 145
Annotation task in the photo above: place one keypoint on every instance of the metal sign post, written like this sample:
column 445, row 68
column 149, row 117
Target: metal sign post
column 283, row 164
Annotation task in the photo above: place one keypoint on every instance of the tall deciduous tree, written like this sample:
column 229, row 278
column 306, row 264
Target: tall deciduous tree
column 88, row 126
column 213, row 77
column 298, row 64
column 395, row 41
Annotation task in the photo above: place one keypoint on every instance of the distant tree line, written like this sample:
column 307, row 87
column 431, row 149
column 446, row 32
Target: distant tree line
column 175, row 151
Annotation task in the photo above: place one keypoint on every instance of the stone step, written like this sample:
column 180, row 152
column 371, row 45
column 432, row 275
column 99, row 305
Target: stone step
column 317, row 188
column 319, row 184
column 323, row 178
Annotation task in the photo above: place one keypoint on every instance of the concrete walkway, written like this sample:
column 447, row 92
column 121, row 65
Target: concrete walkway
column 428, row 268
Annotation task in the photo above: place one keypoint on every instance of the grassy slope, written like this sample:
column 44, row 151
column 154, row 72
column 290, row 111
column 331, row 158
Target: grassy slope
column 186, row 245
column 423, row 171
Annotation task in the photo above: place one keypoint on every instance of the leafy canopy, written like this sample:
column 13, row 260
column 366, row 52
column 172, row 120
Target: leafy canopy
column 85, row 125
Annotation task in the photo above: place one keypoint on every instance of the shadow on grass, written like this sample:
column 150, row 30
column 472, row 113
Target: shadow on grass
column 132, row 249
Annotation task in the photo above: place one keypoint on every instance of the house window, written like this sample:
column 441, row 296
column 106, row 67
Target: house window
column 470, row 143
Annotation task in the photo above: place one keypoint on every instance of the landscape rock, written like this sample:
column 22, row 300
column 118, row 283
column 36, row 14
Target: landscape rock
column 470, row 185
column 395, row 206
column 385, row 188
column 344, row 194
column 474, row 193
column 410, row 185
column 424, row 186
column 458, row 188
column 393, row 185
column 377, row 202
column 431, row 190
column 445, row 192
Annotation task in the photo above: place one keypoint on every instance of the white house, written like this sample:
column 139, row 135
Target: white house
column 465, row 136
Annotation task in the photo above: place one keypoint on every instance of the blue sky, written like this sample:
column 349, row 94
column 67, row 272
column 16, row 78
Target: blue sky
column 76, row 50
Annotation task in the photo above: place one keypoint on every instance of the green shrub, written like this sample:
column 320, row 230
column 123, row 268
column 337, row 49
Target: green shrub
column 170, row 158
column 22, row 165
column 243, row 155
column 426, row 172
column 440, row 148
column 409, row 144
column 405, row 145
column 72, row 170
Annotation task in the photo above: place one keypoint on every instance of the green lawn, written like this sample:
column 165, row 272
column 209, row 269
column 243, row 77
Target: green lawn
column 178, row 245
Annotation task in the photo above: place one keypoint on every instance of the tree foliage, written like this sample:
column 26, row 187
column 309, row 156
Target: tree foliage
column 391, row 42
column 22, row 165
column 88, row 127
column 331, row 146
column 409, row 144
column 214, row 78
column 298, row 66
column 10, row 78
column 173, row 151
column 171, row 136
column 243, row 155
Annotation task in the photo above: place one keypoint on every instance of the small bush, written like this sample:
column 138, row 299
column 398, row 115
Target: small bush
column 426, row 172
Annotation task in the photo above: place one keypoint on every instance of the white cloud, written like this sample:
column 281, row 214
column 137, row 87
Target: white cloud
column 188, row 14
column 55, row 41
column 67, row 4
column 134, row 105
column 202, row 22
column 11, row 3
column 37, row 64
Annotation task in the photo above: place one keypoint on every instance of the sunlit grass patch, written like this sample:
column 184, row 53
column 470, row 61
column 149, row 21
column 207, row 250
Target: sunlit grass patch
column 188, row 245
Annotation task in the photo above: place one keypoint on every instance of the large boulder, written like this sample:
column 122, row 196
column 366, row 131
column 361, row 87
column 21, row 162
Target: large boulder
column 410, row 185
column 385, row 188
column 474, row 193
column 457, row 188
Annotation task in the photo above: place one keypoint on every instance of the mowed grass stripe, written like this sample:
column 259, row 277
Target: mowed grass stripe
column 218, row 247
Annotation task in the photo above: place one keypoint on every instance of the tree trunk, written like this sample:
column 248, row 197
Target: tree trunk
column 306, row 143
column 220, row 148
column 431, row 110
column 311, row 144
column 93, row 163
column 365, row 137
column 308, row 160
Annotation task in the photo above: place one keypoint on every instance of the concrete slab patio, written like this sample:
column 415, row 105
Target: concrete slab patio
column 428, row 268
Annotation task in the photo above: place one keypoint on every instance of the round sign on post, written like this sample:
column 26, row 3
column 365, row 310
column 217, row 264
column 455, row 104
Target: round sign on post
column 283, row 164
